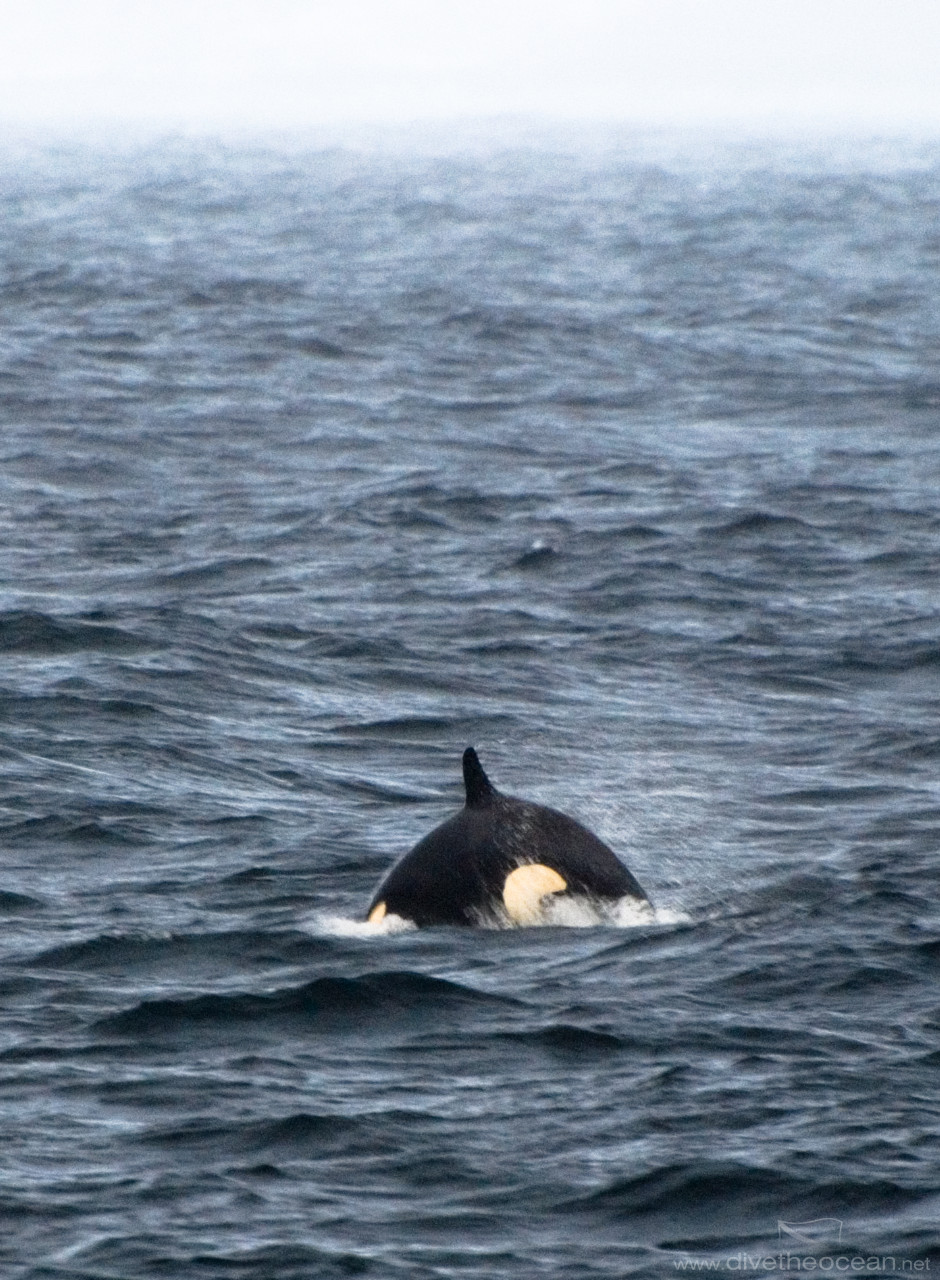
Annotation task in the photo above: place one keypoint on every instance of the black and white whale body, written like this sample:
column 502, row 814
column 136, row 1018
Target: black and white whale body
column 497, row 861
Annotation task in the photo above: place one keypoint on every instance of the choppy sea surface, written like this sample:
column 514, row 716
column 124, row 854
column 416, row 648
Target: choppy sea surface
column 318, row 465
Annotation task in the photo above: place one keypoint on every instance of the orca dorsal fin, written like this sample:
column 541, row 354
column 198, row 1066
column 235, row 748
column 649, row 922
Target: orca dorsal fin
column 479, row 788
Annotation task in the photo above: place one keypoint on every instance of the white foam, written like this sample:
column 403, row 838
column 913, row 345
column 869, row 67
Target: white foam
column 558, row 912
column 670, row 915
column 344, row 927
column 566, row 911
column 573, row 912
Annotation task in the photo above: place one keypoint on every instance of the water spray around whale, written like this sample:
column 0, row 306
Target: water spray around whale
column 502, row 861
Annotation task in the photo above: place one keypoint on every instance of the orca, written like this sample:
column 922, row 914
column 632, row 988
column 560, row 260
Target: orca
column 498, row 861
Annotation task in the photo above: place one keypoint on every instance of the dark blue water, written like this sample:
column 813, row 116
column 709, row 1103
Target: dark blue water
column 316, row 468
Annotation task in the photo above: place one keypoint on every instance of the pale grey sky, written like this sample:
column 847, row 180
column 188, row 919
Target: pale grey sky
column 284, row 63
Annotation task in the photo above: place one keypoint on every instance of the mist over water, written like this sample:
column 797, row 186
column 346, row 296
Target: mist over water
column 317, row 466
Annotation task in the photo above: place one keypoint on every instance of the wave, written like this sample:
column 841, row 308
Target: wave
column 761, row 523
column 215, row 571
column 318, row 347
column 913, row 655
column 700, row 1186
column 566, row 1038
column 322, row 1003
column 11, row 902
column 27, row 632
column 109, row 951
column 299, row 1134
column 76, row 829
column 730, row 1200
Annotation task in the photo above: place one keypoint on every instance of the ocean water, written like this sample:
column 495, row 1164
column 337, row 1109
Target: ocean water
column 319, row 464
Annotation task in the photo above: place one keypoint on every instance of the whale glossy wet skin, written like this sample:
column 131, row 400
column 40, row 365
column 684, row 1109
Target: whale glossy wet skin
column 500, row 860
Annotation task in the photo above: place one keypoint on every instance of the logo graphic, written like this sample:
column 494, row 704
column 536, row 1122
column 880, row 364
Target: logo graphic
column 811, row 1232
